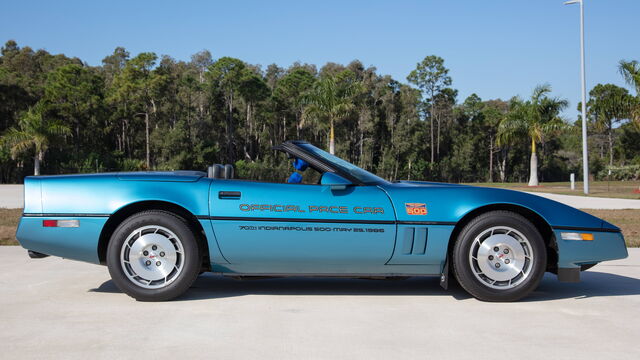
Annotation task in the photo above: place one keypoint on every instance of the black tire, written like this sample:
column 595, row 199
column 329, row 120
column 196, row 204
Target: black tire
column 463, row 263
column 190, row 256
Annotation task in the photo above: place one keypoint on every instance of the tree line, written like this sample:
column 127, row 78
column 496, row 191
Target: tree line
column 148, row 112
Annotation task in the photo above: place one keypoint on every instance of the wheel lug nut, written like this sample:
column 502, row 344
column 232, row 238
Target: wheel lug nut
column 506, row 261
column 154, row 247
column 496, row 249
column 145, row 253
column 147, row 262
column 158, row 263
column 506, row 251
column 497, row 265
column 161, row 253
column 490, row 257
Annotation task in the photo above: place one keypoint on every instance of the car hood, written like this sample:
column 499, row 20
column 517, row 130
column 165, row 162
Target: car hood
column 427, row 183
column 449, row 203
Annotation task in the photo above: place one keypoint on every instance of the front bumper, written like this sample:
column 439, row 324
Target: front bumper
column 606, row 245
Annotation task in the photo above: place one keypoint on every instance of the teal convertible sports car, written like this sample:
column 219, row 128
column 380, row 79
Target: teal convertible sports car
column 156, row 231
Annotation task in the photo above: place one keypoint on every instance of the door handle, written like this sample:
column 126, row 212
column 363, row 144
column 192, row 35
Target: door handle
column 229, row 195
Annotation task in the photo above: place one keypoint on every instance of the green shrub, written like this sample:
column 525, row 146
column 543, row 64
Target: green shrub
column 620, row 173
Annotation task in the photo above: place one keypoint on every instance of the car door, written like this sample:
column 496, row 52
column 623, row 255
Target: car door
column 294, row 228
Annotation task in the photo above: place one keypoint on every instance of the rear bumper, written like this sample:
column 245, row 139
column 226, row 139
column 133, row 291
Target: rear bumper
column 77, row 243
column 606, row 245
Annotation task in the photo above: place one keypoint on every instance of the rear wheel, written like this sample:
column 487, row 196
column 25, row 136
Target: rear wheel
column 499, row 256
column 153, row 256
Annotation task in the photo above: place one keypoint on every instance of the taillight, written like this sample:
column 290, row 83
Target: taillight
column 61, row 223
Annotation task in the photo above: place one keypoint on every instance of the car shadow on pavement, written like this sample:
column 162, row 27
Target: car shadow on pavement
column 592, row 284
column 210, row 286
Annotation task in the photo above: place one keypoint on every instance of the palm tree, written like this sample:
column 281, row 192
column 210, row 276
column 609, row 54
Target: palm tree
column 33, row 133
column 536, row 119
column 330, row 99
column 630, row 70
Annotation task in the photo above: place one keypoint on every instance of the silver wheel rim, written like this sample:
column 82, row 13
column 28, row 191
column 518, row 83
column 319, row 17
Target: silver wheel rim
column 501, row 257
column 152, row 257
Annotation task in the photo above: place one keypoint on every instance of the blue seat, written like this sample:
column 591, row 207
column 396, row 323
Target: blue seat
column 295, row 178
column 300, row 164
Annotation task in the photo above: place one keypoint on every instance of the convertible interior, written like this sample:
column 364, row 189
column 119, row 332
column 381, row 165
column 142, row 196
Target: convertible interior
column 300, row 174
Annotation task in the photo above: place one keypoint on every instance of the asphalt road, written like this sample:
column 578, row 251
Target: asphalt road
column 55, row 308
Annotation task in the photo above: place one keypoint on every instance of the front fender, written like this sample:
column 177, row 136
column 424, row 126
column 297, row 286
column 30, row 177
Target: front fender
column 450, row 203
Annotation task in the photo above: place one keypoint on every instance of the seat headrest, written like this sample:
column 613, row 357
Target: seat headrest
column 228, row 171
column 216, row 171
column 219, row 171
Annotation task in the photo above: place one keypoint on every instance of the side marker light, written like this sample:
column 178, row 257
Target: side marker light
column 576, row 236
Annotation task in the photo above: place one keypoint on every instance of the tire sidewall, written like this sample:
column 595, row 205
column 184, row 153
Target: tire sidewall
column 464, row 272
column 192, row 256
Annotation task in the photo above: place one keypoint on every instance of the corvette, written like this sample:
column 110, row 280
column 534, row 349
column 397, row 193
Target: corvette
column 157, row 231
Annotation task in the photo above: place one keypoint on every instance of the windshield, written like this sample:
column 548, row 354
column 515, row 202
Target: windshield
column 362, row 175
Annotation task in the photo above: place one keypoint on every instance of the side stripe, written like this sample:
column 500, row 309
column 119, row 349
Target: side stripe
column 64, row 215
column 330, row 221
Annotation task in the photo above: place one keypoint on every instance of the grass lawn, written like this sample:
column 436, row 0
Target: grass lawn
column 614, row 189
column 627, row 220
column 8, row 222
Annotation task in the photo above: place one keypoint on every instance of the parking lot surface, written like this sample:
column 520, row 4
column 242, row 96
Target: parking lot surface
column 55, row 308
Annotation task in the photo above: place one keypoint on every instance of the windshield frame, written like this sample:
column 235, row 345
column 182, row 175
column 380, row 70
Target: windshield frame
column 351, row 172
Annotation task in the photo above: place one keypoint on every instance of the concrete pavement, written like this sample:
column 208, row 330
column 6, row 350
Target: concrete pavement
column 11, row 196
column 55, row 308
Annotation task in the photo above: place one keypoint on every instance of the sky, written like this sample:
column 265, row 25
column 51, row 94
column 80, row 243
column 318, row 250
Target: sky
column 494, row 48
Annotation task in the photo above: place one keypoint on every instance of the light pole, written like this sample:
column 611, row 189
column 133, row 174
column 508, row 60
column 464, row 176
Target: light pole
column 585, row 158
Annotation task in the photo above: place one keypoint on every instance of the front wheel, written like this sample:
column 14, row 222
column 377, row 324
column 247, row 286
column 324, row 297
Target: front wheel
column 499, row 256
column 153, row 256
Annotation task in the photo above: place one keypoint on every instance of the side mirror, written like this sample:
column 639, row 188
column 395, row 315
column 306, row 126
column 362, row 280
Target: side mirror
column 335, row 181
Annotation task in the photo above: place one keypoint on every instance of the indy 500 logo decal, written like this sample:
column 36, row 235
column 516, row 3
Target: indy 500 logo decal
column 416, row 208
